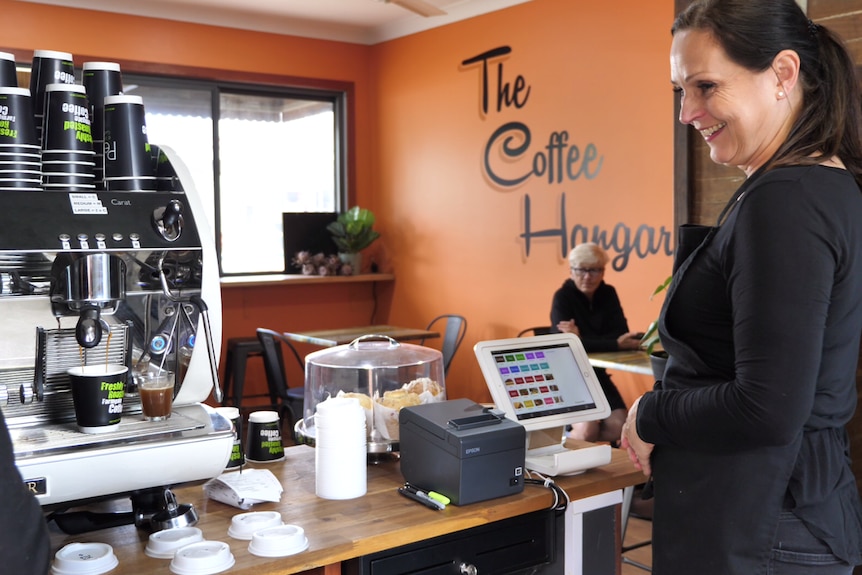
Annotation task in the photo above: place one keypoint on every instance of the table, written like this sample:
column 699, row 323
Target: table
column 340, row 336
column 343, row 530
column 635, row 361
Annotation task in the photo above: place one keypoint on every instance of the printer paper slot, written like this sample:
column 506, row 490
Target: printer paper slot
column 474, row 421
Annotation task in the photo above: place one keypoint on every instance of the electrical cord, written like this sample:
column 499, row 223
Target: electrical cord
column 561, row 498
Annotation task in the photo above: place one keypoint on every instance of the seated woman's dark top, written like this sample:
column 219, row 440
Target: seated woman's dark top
column 600, row 322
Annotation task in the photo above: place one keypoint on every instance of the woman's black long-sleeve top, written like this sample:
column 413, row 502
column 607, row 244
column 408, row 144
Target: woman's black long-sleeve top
column 762, row 324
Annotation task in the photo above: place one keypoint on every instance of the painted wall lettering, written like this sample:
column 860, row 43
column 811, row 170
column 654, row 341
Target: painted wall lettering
column 645, row 241
column 511, row 159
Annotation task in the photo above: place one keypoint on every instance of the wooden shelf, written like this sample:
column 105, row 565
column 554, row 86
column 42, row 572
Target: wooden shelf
column 299, row 279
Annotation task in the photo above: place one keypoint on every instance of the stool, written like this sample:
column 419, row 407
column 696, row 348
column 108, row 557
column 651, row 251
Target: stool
column 239, row 349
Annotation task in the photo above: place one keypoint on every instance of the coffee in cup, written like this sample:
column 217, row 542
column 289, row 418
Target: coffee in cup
column 156, row 389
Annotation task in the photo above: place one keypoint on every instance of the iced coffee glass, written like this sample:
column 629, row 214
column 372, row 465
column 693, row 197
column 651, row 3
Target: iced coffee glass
column 157, row 394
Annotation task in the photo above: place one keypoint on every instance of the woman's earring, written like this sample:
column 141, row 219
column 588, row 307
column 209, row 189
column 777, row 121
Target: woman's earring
column 780, row 94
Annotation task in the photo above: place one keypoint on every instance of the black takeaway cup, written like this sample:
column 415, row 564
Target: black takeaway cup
column 128, row 159
column 17, row 131
column 48, row 67
column 97, row 393
column 101, row 79
column 8, row 74
column 264, row 437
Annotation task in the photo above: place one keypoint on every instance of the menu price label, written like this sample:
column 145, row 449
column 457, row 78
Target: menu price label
column 87, row 204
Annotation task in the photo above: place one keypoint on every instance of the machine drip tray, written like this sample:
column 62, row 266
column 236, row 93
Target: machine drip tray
column 41, row 440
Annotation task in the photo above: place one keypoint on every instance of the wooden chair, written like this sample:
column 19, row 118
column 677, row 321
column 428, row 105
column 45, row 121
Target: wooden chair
column 286, row 400
column 453, row 335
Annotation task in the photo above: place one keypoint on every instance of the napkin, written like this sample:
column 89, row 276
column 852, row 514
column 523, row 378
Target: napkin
column 242, row 490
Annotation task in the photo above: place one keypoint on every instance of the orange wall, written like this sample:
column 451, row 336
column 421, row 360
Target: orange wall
column 595, row 70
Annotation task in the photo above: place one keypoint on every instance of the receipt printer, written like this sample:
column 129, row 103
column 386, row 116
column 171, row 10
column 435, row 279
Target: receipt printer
column 462, row 450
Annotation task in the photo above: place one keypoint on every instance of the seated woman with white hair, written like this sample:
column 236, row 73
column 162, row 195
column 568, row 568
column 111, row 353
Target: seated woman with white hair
column 588, row 307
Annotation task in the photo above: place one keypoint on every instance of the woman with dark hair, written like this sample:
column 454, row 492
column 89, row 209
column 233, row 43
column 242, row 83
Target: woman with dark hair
column 744, row 439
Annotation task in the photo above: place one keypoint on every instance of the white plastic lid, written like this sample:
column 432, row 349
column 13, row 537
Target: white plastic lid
column 52, row 54
column 66, row 88
column 14, row 90
column 263, row 416
column 164, row 544
column 278, row 541
column 244, row 525
column 124, row 99
column 202, row 558
column 111, row 66
column 84, row 559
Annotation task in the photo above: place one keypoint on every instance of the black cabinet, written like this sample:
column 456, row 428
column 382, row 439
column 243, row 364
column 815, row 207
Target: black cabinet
column 516, row 546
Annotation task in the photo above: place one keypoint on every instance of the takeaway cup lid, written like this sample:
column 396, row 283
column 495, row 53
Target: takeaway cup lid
column 84, row 559
column 202, row 558
column 164, row 544
column 279, row 541
column 244, row 525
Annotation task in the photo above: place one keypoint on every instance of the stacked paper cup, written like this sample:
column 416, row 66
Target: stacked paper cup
column 20, row 154
column 8, row 74
column 101, row 79
column 340, row 449
column 67, row 139
column 49, row 67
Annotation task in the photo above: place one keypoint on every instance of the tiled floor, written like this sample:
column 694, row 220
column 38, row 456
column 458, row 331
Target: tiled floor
column 638, row 530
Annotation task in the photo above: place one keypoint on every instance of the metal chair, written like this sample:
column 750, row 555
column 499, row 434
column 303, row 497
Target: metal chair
column 453, row 335
column 285, row 399
column 541, row 330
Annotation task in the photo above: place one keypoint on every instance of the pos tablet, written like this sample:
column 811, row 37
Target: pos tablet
column 544, row 383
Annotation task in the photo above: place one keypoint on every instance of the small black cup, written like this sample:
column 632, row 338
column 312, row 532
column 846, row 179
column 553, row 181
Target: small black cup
column 17, row 127
column 67, row 119
column 48, row 67
column 232, row 414
column 8, row 74
column 97, row 393
column 264, row 437
column 126, row 149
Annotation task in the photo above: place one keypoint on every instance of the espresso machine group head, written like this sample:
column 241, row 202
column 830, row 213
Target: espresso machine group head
column 109, row 277
column 87, row 285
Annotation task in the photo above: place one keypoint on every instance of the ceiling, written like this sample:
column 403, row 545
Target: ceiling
column 355, row 21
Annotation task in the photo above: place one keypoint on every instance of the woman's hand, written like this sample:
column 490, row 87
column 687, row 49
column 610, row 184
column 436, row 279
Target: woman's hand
column 630, row 340
column 569, row 326
column 639, row 451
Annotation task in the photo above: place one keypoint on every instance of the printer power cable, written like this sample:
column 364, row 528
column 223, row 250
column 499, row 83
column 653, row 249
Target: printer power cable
column 561, row 498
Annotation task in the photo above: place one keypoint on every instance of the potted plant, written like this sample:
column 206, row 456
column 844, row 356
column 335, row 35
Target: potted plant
column 352, row 232
column 650, row 339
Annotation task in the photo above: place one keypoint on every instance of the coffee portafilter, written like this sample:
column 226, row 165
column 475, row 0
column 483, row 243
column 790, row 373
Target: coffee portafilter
column 88, row 285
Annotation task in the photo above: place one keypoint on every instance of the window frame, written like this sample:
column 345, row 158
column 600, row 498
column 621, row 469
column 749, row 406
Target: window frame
column 343, row 91
column 338, row 98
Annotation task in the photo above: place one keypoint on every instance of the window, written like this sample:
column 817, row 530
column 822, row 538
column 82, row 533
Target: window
column 254, row 153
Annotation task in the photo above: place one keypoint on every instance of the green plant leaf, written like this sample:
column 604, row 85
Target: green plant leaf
column 352, row 231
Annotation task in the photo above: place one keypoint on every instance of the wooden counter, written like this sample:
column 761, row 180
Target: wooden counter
column 341, row 530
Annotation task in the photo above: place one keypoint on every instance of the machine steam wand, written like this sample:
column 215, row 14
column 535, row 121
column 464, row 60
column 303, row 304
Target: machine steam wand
column 198, row 302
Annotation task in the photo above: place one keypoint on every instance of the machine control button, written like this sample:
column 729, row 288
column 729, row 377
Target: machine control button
column 117, row 236
column 136, row 240
column 65, row 241
column 100, row 241
column 83, row 240
column 158, row 344
column 26, row 393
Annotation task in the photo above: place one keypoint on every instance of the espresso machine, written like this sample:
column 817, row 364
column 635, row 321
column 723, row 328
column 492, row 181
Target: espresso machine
column 122, row 277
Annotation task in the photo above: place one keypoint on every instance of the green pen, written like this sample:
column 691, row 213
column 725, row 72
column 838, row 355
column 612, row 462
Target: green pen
column 438, row 497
